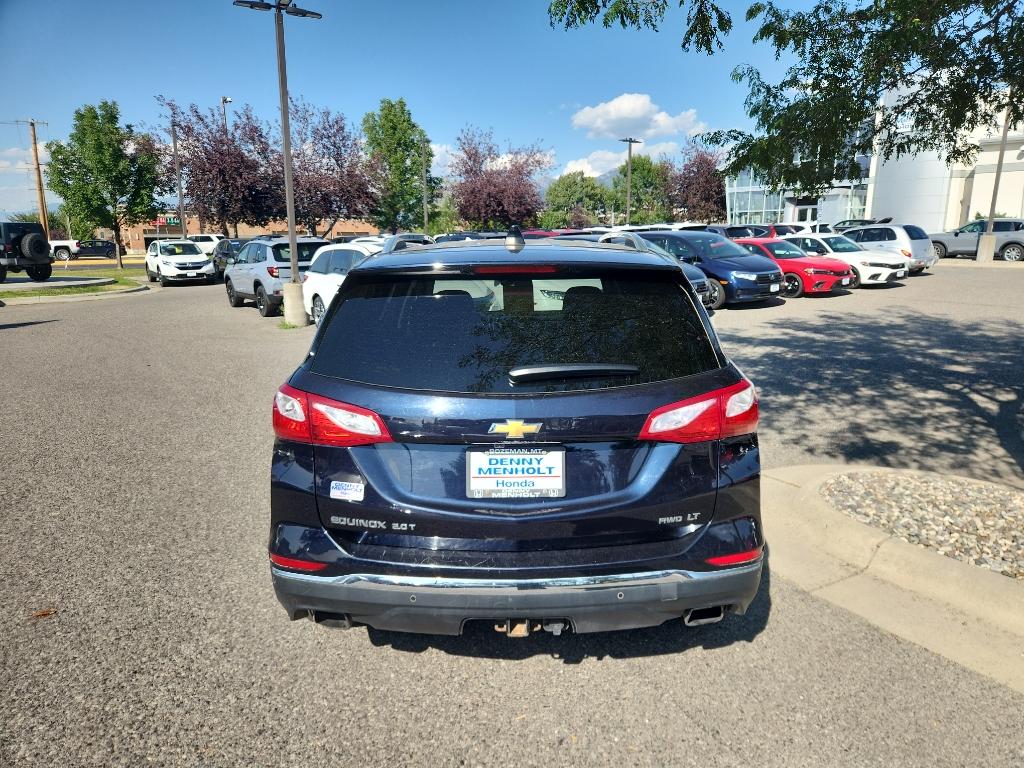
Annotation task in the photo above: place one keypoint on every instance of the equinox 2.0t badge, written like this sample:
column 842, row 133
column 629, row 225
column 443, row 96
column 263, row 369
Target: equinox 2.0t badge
column 514, row 429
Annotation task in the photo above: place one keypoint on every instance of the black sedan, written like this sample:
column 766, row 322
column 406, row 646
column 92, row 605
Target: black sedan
column 224, row 250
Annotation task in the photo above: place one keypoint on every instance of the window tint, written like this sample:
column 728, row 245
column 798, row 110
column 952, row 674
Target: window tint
column 752, row 248
column 973, row 227
column 462, row 335
column 1006, row 226
column 322, row 263
column 785, row 250
column 180, row 249
column 306, row 250
column 915, row 233
column 343, row 259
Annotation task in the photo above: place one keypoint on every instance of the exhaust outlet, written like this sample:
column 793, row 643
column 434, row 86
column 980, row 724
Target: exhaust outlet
column 698, row 617
column 332, row 620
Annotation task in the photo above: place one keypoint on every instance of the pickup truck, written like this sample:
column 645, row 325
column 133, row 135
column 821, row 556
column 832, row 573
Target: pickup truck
column 23, row 246
column 64, row 250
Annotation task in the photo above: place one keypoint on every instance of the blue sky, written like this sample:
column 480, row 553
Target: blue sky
column 496, row 65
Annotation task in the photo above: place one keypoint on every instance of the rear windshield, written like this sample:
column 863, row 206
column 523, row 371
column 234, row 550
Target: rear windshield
column 466, row 335
column 915, row 233
column 306, row 250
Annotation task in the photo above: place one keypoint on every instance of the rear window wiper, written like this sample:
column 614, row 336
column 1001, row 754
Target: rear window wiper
column 570, row 370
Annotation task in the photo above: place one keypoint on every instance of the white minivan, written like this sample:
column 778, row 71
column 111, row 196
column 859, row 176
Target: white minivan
column 327, row 272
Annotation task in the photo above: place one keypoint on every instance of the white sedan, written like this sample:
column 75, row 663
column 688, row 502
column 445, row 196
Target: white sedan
column 327, row 272
column 870, row 267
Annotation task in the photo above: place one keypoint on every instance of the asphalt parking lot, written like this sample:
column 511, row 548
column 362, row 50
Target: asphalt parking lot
column 134, row 488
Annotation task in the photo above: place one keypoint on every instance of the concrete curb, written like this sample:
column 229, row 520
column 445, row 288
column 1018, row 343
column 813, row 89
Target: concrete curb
column 79, row 297
column 956, row 263
column 968, row 614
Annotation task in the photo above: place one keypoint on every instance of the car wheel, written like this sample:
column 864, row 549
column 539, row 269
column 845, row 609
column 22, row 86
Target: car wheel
column 150, row 275
column 1012, row 252
column 233, row 298
column 263, row 303
column 855, row 280
column 318, row 310
column 62, row 254
column 3, row 273
column 40, row 273
column 716, row 295
column 792, row 286
column 939, row 250
column 164, row 282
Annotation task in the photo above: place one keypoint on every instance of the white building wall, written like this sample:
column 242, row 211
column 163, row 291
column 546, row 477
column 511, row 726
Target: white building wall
column 912, row 190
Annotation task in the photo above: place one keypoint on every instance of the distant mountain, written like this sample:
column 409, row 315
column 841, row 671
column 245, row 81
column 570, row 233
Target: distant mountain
column 543, row 182
column 605, row 179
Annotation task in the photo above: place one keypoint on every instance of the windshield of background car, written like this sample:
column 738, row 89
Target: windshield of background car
column 841, row 244
column 785, row 250
column 465, row 335
column 710, row 246
column 306, row 250
column 915, row 233
column 180, row 249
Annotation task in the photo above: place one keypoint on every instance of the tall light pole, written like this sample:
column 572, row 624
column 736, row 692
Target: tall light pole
column 294, row 312
column 177, row 173
column 629, row 174
column 224, row 101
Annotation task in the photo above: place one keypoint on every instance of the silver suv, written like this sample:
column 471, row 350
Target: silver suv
column 261, row 268
column 964, row 241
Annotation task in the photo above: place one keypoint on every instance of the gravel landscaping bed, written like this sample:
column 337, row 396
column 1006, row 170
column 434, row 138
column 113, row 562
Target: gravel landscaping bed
column 978, row 523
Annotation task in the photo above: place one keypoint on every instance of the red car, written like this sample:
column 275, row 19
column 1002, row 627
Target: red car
column 801, row 273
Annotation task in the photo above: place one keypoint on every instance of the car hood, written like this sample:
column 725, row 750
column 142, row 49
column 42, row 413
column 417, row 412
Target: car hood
column 824, row 262
column 751, row 263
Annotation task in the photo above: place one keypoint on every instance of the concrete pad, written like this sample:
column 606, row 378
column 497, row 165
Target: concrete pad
column 968, row 614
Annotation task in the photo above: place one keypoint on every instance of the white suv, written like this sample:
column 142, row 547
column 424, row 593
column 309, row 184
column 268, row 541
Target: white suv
column 262, row 267
column 206, row 242
column 175, row 260
column 905, row 239
column 327, row 272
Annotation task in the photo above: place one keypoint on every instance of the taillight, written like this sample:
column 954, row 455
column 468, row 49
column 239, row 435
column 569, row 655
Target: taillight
column 723, row 413
column 736, row 558
column 272, row 271
column 309, row 418
column 295, row 564
column 77, row 244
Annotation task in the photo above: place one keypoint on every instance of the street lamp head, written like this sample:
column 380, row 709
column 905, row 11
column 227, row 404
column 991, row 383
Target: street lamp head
column 291, row 10
column 631, row 140
column 255, row 5
column 225, row 99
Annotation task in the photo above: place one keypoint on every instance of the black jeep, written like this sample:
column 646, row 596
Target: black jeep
column 23, row 245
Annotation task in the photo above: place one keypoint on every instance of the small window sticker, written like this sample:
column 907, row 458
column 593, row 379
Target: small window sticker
column 347, row 491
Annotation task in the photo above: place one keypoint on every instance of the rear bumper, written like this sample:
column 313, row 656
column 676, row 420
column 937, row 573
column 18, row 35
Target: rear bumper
column 589, row 603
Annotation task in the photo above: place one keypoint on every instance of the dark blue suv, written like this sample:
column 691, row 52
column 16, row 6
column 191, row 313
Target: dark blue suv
column 542, row 436
column 734, row 274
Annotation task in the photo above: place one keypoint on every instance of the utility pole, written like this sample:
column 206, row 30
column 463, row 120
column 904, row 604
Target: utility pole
column 294, row 312
column 224, row 101
column 423, row 159
column 40, row 189
column 630, row 141
column 177, row 171
column 987, row 242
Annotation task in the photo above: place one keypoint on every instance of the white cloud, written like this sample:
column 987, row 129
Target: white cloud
column 604, row 160
column 634, row 114
column 442, row 159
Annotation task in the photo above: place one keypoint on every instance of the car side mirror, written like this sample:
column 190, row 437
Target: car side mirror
column 229, row 260
column 956, row 234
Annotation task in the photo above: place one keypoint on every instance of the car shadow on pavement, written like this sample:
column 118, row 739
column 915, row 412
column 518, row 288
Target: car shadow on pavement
column 480, row 640
column 910, row 390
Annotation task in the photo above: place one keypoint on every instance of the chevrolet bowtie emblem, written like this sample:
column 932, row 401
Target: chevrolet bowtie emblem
column 514, row 429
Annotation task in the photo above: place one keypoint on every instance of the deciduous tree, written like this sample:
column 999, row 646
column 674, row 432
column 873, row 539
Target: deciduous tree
column 649, row 202
column 576, row 198
column 397, row 146
column 495, row 189
column 696, row 186
column 109, row 173
column 893, row 78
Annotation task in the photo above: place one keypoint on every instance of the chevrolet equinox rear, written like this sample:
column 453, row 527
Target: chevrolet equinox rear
column 538, row 437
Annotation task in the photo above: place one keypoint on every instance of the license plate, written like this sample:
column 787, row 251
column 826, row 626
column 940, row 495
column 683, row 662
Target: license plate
column 190, row 274
column 508, row 473
column 846, row 281
column 775, row 288
column 901, row 273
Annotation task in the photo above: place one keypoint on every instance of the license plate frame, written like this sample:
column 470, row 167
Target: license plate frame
column 487, row 479
column 845, row 281
column 775, row 288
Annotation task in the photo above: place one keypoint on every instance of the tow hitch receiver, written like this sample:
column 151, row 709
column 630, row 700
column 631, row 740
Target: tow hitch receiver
column 520, row 628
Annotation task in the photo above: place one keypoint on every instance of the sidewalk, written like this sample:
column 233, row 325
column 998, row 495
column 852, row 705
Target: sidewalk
column 968, row 614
